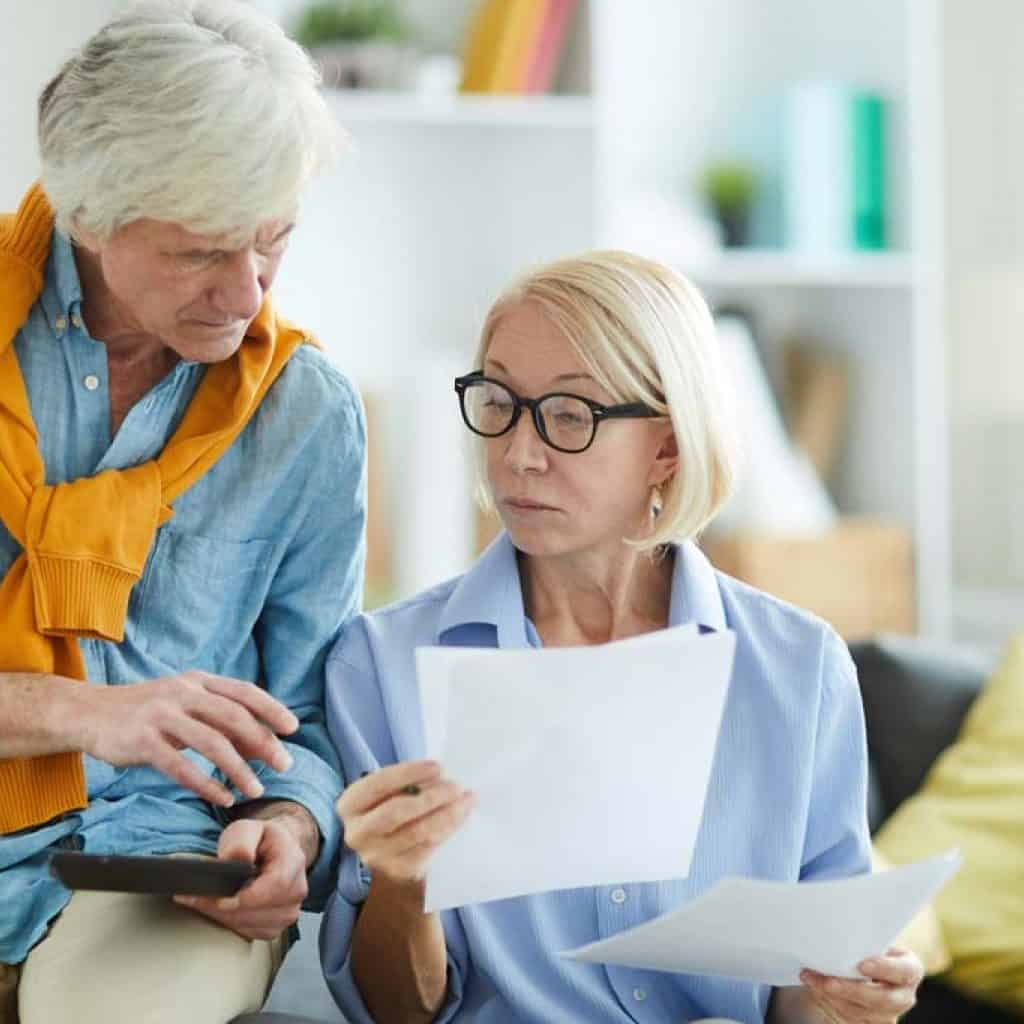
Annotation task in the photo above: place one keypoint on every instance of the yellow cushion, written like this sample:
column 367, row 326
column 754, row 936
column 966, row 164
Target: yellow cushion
column 923, row 935
column 974, row 798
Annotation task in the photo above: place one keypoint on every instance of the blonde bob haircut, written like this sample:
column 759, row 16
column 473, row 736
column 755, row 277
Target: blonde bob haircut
column 199, row 112
column 646, row 335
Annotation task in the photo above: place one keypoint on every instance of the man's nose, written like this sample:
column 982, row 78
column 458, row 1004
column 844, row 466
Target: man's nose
column 239, row 290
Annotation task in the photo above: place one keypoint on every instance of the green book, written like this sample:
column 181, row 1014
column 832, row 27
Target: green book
column 869, row 170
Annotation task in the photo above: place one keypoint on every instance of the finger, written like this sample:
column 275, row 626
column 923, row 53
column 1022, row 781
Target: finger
column 218, row 749
column 402, row 809
column 845, row 1011
column 257, row 700
column 897, row 967
column 265, row 924
column 366, row 793
column 431, row 831
column 828, row 988
column 282, row 873
column 188, row 774
column 869, row 998
column 241, row 840
column 248, row 734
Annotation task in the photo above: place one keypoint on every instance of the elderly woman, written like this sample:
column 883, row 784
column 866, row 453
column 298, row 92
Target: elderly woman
column 181, row 512
column 607, row 438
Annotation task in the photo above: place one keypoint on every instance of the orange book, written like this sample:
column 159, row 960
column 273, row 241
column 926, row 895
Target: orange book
column 483, row 40
column 522, row 28
column 547, row 51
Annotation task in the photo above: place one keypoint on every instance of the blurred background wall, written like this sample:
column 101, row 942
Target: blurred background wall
column 871, row 302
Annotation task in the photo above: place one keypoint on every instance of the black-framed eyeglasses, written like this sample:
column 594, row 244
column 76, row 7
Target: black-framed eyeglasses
column 566, row 422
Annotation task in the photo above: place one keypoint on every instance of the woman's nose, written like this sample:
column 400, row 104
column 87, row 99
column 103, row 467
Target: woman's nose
column 525, row 450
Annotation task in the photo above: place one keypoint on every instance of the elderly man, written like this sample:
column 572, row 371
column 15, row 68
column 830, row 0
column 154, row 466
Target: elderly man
column 181, row 520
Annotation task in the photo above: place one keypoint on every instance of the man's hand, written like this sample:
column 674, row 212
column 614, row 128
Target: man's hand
column 226, row 720
column 271, row 902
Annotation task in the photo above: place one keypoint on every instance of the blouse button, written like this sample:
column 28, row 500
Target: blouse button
column 91, row 382
column 618, row 895
column 639, row 994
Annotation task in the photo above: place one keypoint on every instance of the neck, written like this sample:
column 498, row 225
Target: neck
column 594, row 597
column 128, row 345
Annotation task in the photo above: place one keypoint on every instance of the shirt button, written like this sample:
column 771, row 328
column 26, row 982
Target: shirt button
column 91, row 382
column 76, row 320
column 618, row 895
column 639, row 994
column 60, row 323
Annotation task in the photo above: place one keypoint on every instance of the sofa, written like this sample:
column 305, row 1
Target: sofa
column 915, row 694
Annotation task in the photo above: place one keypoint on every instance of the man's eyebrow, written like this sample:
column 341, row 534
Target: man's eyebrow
column 283, row 233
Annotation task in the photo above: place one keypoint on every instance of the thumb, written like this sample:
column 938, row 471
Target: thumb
column 240, row 841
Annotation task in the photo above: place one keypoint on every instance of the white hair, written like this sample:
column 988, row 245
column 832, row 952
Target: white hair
column 199, row 112
column 646, row 335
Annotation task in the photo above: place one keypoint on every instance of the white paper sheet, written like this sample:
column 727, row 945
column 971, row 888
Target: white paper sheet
column 590, row 764
column 767, row 932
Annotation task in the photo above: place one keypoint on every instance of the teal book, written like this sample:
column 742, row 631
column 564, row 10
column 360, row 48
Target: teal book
column 867, row 121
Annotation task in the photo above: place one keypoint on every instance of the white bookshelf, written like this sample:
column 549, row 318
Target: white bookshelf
column 395, row 109
column 771, row 268
column 402, row 249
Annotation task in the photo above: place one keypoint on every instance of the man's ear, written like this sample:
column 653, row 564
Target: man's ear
column 666, row 462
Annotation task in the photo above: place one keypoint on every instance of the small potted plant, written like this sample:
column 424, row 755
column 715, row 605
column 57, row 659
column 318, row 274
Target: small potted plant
column 359, row 44
column 729, row 186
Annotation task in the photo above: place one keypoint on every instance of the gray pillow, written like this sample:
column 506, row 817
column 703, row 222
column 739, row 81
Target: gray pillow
column 915, row 694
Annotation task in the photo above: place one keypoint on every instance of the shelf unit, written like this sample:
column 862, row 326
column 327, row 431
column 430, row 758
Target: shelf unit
column 402, row 249
column 394, row 109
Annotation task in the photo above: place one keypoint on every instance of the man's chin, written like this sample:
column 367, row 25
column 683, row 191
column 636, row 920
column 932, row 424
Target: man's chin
column 208, row 347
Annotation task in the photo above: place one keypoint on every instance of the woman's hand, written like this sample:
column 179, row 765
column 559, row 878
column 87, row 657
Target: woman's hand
column 889, row 990
column 397, row 817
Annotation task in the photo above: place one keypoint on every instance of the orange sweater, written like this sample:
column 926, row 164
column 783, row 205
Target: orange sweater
column 78, row 566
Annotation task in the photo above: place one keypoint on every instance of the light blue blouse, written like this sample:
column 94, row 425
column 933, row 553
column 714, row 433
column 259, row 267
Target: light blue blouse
column 786, row 798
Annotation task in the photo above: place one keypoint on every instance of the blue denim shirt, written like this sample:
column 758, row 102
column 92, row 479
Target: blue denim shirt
column 786, row 799
column 250, row 579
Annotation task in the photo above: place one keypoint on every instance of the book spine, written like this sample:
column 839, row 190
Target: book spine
column 543, row 67
column 817, row 168
column 867, row 117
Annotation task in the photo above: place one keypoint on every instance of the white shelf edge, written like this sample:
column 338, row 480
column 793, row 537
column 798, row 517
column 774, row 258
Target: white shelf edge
column 753, row 268
column 382, row 109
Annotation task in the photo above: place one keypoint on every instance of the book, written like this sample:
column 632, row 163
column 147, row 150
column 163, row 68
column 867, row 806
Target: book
column 483, row 39
column 833, row 168
column 520, row 29
column 549, row 45
column 868, row 126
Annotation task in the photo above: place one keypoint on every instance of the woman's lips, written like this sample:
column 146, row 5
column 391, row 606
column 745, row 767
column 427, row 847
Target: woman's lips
column 526, row 505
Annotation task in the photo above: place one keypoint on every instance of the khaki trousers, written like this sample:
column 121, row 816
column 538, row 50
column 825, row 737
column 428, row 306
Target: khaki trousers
column 121, row 958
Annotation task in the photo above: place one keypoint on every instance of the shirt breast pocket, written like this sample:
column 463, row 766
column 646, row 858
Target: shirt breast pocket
column 200, row 598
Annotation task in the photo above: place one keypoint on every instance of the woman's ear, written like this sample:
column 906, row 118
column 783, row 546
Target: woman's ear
column 666, row 461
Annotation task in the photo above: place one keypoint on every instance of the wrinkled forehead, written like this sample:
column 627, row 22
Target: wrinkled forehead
column 173, row 235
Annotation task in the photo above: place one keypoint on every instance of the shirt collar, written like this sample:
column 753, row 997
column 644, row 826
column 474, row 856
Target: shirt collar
column 696, row 596
column 490, row 593
column 62, row 291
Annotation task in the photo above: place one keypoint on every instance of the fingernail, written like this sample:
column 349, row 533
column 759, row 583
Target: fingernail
column 283, row 760
column 227, row 800
column 185, row 901
column 867, row 965
column 228, row 903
